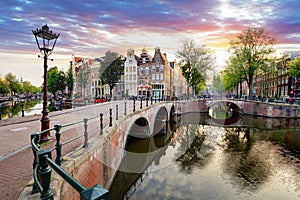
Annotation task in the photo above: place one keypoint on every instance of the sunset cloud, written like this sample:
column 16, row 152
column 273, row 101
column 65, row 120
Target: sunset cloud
column 90, row 28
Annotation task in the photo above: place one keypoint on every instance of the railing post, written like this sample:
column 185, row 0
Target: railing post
column 110, row 117
column 155, row 100
column 85, row 120
column 147, row 101
column 58, row 145
column 45, row 173
column 141, row 105
column 125, row 109
column 101, row 123
column 35, row 137
column 117, row 114
column 133, row 105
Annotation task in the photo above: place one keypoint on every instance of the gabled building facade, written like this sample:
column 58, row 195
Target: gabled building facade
column 144, row 86
column 130, row 73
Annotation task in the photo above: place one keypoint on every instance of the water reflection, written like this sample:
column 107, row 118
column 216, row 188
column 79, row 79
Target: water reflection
column 202, row 161
column 14, row 109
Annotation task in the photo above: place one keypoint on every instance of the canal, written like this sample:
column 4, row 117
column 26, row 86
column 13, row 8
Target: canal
column 17, row 109
column 254, row 158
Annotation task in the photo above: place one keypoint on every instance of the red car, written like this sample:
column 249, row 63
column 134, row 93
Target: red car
column 100, row 100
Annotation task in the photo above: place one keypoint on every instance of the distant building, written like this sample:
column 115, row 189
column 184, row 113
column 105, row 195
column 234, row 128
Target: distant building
column 130, row 73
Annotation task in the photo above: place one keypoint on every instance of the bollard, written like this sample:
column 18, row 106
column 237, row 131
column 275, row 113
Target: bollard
column 117, row 114
column 85, row 121
column 58, row 145
column 133, row 105
column 22, row 110
column 155, row 100
column 125, row 108
column 147, row 102
column 110, row 117
column 101, row 123
column 0, row 115
column 141, row 105
column 151, row 101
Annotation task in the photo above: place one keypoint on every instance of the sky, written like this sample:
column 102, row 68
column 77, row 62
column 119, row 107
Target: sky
column 89, row 28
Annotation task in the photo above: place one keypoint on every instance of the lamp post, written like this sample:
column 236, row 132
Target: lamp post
column 46, row 41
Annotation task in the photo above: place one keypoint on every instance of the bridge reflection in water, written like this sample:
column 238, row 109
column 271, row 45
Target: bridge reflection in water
column 201, row 157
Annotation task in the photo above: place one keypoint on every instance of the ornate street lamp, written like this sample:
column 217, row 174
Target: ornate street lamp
column 46, row 41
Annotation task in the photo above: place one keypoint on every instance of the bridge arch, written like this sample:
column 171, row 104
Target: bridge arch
column 231, row 104
column 159, row 120
column 140, row 128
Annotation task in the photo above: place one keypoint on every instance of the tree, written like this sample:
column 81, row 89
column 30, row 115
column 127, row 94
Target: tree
column 70, row 80
column 4, row 89
column 218, row 84
column 294, row 67
column 56, row 80
column 111, row 69
column 27, row 87
column 252, row 49
column 13, row 84
column 197, row 60
column 232, row 75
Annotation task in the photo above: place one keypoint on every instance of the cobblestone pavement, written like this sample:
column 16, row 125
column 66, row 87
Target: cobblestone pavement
column 16, row 156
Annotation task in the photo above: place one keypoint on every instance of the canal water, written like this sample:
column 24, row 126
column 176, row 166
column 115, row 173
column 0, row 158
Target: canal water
column 254, row 158
column 14, row 109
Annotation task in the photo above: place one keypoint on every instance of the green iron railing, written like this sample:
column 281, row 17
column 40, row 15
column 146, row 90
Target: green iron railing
column 43, row 163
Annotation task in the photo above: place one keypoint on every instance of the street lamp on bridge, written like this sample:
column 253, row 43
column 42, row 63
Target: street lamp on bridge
column 46, row 41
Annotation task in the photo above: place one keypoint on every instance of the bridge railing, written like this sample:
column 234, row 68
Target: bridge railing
column 43, row 162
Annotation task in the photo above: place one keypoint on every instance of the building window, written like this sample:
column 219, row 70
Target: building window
column 157, row 77
column 144, row 60
column 161, row 68
column 153, row 77
column 162, row 77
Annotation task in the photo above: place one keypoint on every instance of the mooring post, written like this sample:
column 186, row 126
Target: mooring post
column 85, row 120
column 110, row 117
column 147, row 101
column 141, row 105
column 117, row 112
column 133, row 105
column 125, row 108
column 101, row 123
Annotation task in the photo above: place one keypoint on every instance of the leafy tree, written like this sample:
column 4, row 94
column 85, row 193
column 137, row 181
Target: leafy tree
column 13, row 84
column 70, row 80
column 218, row 84
column 252, row 49
column 56, row 80
column 111, row 69
column 232, row 75
column 28, row 87
column 4, row 89
column 197, row 60
column 294, row 67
